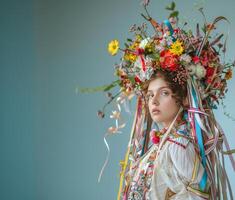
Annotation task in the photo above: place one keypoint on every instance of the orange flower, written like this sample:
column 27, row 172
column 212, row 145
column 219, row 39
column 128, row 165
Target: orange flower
column 229, row 74
column 168, row 60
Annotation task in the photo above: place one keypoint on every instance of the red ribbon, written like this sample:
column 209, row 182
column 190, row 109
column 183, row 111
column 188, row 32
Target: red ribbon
column 140, row 53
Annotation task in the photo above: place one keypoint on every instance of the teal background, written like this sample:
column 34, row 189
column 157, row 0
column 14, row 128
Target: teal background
column 51, row 141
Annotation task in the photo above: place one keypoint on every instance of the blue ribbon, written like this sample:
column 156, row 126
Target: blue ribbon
column 203, row 181
column 168, row 24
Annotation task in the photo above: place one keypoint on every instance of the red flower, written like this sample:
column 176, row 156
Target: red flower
column 168, row 60
column 217, row 84
column 196, row 59
column 156, row 139
column 176, row 30
column 137, row 80
column 205, row 61
column 214, row 97
column 209, row 74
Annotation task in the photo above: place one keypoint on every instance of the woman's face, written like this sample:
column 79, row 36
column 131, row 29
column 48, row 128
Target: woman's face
column 162, row 106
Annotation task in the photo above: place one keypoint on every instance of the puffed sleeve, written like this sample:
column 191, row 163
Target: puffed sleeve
column 188, row 167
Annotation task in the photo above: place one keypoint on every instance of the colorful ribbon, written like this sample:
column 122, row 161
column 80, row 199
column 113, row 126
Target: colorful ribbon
column 198, row 131
column 125, row 162
column 168, row 24
column 140, row 52
column 227, row 146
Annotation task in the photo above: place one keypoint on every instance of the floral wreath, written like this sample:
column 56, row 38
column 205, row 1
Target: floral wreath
column 177, row 51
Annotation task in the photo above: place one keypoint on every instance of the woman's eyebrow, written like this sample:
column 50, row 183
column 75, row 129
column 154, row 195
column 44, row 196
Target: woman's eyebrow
column 160, row 88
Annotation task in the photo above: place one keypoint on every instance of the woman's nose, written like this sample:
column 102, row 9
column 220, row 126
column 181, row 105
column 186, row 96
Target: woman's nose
column 155, row 100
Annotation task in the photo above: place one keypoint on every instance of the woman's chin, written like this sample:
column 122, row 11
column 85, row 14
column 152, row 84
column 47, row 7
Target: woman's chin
column 157, row 119
column 160, row 121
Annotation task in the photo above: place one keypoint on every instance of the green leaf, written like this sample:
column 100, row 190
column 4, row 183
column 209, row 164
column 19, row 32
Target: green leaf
column 174, row 14
column 109, row 87
column 154, row 56
column 126, row 45
column 132, row 79
column 171, row 6
column 168, row 8
column 98, row 89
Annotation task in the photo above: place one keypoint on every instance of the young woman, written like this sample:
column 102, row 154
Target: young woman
column 176, row 172
column 176, row 145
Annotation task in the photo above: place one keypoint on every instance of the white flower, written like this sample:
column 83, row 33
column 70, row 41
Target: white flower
column 166, row 34
column 186, row 58
column 200, row 71
column 191, row 69
column 144, row 42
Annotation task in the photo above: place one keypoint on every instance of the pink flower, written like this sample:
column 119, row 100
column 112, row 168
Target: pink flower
column 154, row 137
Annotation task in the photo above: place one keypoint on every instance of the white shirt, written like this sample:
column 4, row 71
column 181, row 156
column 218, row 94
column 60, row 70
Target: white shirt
column 174, row 174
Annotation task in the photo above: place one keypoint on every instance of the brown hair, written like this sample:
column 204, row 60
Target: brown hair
column 179, row 91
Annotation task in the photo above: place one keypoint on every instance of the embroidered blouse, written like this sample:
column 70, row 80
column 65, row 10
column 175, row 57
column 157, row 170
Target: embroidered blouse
column 175, row 174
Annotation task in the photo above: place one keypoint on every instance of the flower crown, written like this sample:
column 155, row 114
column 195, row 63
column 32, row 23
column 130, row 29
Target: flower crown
column 177, row 51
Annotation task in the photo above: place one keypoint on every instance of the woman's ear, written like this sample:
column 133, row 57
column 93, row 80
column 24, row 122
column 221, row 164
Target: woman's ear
column 186, row 103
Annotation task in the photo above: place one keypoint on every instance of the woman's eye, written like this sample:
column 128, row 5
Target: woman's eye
column 164, row 93
column 149, row 96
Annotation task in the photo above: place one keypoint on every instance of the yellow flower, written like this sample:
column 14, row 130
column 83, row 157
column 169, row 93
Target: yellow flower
column 149, row 48
column 130, row 57
column 134, row 45
column 113, row 47
column 229, row 74
column 138, row 38
column 177, row 48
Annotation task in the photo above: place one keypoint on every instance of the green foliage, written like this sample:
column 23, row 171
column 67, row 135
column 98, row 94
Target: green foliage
column 103, row 88
column 174, row 13
column 171, row 6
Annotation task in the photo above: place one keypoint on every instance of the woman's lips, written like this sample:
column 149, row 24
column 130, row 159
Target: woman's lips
column 155, row 111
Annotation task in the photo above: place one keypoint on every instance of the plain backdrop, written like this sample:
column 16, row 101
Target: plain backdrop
column 51, row 141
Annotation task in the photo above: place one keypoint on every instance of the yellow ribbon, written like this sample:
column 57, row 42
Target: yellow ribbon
column 125, row 162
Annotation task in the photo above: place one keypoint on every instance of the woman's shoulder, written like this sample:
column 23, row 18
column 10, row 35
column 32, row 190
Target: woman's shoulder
column 181, row 147
column 180, row 137
column 178, row 142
